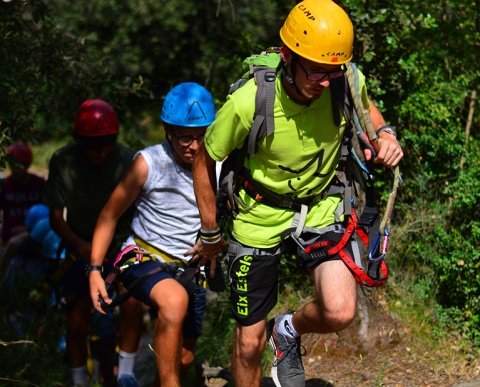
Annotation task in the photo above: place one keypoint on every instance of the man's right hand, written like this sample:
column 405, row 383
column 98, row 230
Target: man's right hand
column 202, row 253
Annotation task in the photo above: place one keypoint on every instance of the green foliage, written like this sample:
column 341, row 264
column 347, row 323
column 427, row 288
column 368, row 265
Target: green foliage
column 45, row 75
column 421, row 60
column 441, row 246
column 59, row 53
column 30, row 333
column 215, row 345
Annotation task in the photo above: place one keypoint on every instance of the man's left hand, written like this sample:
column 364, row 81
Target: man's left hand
column 390, row 152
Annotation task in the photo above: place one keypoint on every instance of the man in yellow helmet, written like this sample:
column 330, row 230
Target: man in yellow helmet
column 298, row 161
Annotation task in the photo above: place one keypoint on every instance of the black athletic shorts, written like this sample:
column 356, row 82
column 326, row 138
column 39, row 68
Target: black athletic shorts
column 254, row 278
column 253, row 286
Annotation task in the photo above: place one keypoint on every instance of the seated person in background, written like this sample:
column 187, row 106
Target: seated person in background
column 19, row 191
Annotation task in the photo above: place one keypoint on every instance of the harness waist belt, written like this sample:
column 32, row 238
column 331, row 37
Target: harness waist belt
column 153, row 250
column 261, row 194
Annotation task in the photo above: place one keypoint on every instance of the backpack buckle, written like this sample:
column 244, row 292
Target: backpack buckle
column 270, row 76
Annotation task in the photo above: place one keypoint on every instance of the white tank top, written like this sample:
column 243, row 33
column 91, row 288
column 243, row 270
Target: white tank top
column 166, row 215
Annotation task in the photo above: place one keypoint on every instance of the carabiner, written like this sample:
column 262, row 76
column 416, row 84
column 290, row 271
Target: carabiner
column 384, row 248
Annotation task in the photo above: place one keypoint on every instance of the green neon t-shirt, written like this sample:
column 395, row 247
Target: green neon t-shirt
column 299, row 159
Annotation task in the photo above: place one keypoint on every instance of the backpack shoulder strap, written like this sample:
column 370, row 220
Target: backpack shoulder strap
column 341, row 102
column 263, row 123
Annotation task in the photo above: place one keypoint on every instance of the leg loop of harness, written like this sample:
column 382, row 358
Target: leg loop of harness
column 134, row 255
column 325, row 243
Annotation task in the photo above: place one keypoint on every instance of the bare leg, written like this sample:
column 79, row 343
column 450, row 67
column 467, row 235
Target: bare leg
column 188, row 354
column 78, row 319
column 247, row 356
column 334, row 308
column 171, row 301
column 131, row 325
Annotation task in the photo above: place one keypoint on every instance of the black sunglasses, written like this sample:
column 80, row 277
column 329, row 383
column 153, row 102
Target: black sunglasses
column 321, row 76
column 187, row 140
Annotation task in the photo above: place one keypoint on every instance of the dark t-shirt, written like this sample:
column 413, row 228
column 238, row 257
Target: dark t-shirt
column 83, row 189
column 16, row 198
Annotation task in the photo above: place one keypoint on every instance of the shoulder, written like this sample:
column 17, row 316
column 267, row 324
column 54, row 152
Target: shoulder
column 65, row 155
column 154, row 153
column 244, row 97
column 125, row 153
column 124, row 148
column 66, row 150
column 153, row 150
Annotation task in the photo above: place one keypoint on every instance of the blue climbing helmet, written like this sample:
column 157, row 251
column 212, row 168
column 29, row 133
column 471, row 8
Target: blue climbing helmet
column 188, row 104
column 40, row 230
column 34, row 214
column 51, row 246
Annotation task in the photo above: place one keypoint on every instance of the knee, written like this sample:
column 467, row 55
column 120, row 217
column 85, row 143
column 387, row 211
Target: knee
column 77, row 323
column 250, row 348
column 340, row 316
column 173, row 308
column 132, row 307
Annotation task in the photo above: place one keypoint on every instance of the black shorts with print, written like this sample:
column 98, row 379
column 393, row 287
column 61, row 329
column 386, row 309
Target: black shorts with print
column 253, row 283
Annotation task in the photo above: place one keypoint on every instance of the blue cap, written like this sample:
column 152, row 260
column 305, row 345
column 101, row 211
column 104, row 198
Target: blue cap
column 190, row 105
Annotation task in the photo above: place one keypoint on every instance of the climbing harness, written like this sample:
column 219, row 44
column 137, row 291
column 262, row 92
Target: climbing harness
column 133, row 255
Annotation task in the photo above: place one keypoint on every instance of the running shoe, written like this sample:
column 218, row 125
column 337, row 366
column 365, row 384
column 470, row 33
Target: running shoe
column 287, row 368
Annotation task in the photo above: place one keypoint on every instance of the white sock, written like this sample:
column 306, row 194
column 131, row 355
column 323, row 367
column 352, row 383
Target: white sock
column 285, row 327
column 79, row 375
column 95, row 378
column 126, row 362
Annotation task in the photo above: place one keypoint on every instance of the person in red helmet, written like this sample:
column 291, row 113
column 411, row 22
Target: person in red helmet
column 18, row 192
column 82, row 176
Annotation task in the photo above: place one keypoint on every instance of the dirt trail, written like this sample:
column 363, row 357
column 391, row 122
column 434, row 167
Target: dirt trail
column 376, row 350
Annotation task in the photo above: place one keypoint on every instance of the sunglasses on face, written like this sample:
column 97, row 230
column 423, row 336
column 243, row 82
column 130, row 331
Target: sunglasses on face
column 321, row 76
column 187, row 140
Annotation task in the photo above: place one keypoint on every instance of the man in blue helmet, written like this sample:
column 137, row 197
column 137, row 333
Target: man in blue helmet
column 165, row 224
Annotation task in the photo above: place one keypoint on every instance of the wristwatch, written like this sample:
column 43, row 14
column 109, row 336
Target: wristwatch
column 387, row 129
column 89, row 268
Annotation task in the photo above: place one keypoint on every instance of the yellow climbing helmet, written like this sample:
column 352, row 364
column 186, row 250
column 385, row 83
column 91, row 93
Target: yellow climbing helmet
column 319, row 30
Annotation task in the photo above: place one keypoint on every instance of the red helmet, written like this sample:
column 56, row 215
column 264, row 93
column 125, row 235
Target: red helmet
column 95, row 118
column 20, row 152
